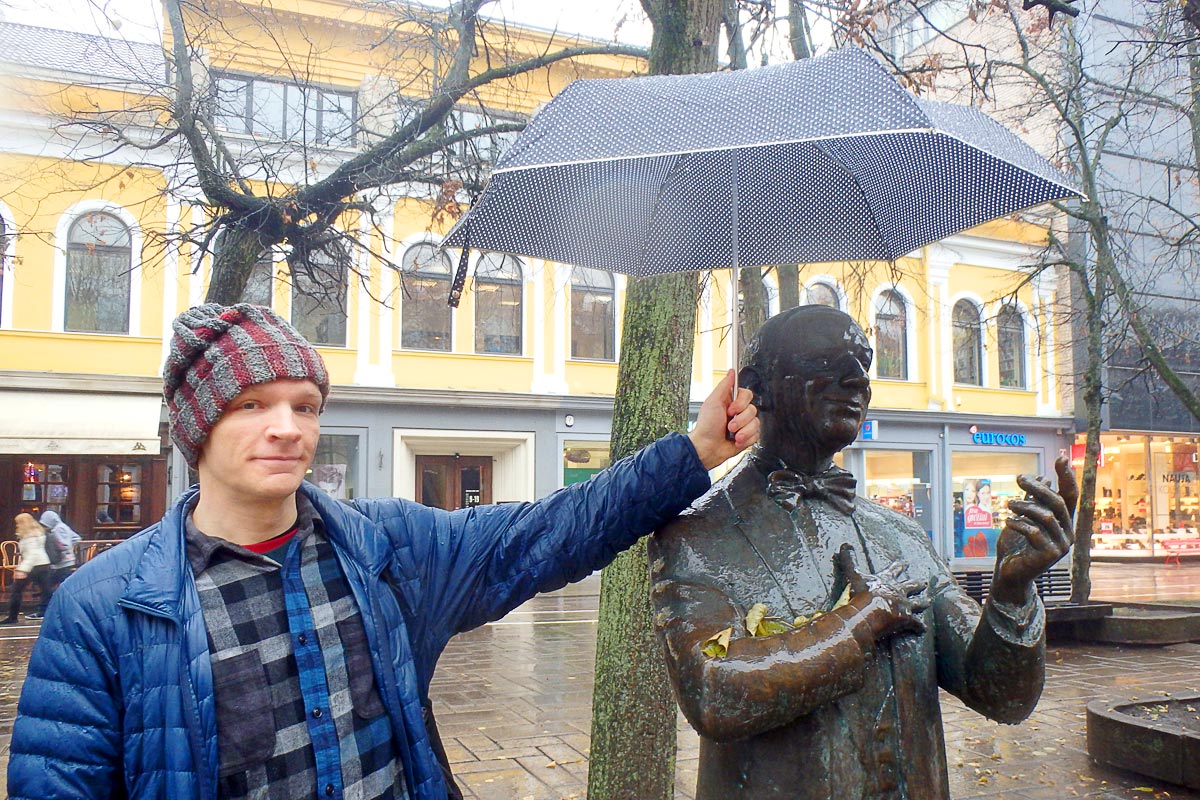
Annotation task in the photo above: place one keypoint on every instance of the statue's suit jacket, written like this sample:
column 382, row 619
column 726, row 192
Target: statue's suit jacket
column 819, row 713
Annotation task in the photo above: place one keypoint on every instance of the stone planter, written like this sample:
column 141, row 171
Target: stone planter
column 1157, row 738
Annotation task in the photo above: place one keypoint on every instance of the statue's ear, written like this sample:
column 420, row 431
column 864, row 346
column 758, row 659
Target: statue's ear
column 750, row 379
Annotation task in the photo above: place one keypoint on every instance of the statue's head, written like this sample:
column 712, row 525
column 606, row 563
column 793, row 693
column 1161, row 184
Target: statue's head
column 808, row 370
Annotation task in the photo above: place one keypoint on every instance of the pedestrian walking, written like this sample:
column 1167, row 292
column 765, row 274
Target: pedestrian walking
column 34, row 567
column 266, row 640
column 61, row 535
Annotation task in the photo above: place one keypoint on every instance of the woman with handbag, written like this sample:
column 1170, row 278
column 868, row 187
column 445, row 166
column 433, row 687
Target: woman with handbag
column 35, row 566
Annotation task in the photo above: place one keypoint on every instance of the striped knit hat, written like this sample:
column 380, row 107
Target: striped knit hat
column 218, row 351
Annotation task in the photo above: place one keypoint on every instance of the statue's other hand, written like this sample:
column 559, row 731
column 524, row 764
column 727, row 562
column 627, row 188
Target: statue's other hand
column 1038, row 534
column 887, row 603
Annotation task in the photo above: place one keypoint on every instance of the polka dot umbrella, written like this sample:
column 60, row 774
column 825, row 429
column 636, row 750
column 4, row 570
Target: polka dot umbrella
column 825, row 159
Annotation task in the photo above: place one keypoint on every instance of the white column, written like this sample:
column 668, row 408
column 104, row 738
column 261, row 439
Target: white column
column 170, row 276
column 938, row 263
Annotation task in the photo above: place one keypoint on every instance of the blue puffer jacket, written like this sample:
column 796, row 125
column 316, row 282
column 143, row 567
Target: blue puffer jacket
column 118, row 701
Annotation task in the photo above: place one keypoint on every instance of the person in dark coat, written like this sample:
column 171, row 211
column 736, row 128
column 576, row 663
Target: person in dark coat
column 829, row 689
column 266, row 640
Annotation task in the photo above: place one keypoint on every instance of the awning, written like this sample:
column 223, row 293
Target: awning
column 78, row 423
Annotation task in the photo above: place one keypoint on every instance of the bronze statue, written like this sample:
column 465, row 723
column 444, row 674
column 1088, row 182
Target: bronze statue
column 836, row 697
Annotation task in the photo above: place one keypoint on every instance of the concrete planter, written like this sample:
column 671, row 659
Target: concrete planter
column 1157, row 738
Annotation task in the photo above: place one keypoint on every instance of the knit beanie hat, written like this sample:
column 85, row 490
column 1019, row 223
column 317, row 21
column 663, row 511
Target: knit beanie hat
column 218, row 351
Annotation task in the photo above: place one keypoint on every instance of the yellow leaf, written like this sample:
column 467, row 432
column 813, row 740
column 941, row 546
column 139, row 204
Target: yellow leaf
column 802, row 620
column 843, row 600
column 718, row 645
column 771, row 626
column 1142, row 789
column 755, row 616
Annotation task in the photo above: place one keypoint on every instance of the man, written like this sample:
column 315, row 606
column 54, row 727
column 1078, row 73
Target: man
column 264, row 640
column 836, row 697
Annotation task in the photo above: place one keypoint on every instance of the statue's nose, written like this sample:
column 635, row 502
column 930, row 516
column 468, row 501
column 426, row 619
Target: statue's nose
column 855, row 374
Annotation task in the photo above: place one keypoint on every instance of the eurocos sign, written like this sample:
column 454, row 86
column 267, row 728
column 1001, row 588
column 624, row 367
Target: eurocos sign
column 996, row 438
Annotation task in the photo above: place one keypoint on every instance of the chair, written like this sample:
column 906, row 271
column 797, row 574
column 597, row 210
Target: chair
column 10, row 556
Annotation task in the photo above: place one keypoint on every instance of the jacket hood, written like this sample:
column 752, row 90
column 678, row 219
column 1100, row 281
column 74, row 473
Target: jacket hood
column 50, row 519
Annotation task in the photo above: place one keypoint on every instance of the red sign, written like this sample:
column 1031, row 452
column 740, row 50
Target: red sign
column 977, row 517
column 1078, row 451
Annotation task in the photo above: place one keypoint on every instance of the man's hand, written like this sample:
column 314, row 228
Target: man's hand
column 1038, row 534
column 721, row 413
column 887, row 603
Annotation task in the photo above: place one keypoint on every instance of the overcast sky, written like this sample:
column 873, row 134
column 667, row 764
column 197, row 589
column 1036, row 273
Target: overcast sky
column 138, row 19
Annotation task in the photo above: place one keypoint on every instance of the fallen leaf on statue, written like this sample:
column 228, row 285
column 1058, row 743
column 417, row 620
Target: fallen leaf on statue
column 717, row 646
column 754, row 617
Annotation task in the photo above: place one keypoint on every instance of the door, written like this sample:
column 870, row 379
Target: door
column 452, row 482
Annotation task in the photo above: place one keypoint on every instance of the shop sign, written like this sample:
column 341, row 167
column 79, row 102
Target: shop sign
column 1178, row 477
column 1078, row 451
column 996, row 438
column 870, row 430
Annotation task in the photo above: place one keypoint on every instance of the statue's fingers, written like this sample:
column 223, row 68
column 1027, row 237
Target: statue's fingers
column 1030, row 531
column 1068, row 487
column 1042, row 495
column 893, row 571
column 844, row 560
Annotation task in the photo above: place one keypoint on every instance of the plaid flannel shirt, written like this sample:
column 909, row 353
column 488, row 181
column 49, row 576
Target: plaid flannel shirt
column 298, row 711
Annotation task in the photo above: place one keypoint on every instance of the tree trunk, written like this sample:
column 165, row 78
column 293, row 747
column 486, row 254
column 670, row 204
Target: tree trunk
column 800, row 42
column 752, row 311
column 789, row 285
column 633, row 709
column 1095, row 296
column 233, row 260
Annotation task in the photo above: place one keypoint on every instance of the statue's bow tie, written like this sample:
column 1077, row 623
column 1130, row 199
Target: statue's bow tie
column 835, row 486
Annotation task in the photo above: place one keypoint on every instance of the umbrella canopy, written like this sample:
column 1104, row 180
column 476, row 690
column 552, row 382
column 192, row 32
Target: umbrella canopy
column 818, row 160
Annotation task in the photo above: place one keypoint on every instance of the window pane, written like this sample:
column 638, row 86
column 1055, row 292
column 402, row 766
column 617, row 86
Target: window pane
column 821, row 294
column 335, row 466
column 99, row 260
column 1010, row 334
column 299, row 115
column 891, row 337
column 901, row 480
column 267, row 108
column 319, row 306
column 983, row 483
column 584, row 458
column 593, row 315
column 425, row 323
column 229, row 110
column 967, row 344
column 259, row 285
column 119, row 494
column 498, row 304
column 337, row 119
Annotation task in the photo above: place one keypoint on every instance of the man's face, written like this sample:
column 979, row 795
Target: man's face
column 831, row 402
column 261, row 447
column 820, row 390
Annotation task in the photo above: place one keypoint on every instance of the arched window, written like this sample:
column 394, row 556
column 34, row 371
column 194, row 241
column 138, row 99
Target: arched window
column 99, row 262
column 425, row 278
column 1010, row 336
column 319, row 300
column 820, row 293
column 593, row 314
column 498, row 304
column 891, row 336
column 968, row 344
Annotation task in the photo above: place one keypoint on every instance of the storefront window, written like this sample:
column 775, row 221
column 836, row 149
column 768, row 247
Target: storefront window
column 900, row 480
column 118, row 495
column 43, row 488
column 583, row 459
column 983, row 484
column 335, row 466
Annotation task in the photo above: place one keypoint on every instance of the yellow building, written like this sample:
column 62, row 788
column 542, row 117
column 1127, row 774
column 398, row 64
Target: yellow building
column 505, row 398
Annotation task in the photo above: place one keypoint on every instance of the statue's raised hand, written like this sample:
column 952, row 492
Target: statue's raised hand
column 886, row 602
column 1039, row 533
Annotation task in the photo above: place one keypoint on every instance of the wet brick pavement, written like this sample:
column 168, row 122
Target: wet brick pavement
column 514, row 698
